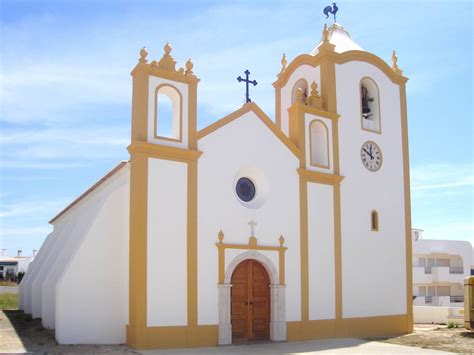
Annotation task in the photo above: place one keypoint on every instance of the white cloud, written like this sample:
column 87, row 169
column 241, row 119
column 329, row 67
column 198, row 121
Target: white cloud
column 441, row 176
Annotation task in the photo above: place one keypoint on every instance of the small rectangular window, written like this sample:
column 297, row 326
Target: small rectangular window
column 374, row 220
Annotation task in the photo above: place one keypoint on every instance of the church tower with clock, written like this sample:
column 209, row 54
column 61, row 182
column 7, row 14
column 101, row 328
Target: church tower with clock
column 253, row 228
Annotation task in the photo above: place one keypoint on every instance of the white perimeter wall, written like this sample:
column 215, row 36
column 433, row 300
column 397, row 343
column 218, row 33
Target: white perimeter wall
column 246, row 147
column 322, row 286
column 373, row 263
column 167, row 247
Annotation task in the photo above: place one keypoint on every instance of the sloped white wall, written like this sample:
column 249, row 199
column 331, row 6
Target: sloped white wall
column 92, row 292
column 25, row 285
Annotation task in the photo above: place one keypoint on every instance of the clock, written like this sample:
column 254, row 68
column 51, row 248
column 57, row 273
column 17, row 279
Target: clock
column 371, row 156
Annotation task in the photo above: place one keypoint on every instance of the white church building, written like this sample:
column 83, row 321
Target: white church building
column 248, row 229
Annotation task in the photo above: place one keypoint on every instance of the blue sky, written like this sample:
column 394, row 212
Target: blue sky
column 66, row 90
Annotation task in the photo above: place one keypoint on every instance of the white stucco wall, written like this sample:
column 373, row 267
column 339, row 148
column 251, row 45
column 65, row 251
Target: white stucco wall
column 373, row 263
column 321, row 262
column 92, row 292
column 303, row 72
column 81, row 222
column 32, row 273
column 246, row 147
column 167, row 243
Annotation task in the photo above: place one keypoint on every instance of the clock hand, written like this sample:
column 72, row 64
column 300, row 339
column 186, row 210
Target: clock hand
column 369, row 153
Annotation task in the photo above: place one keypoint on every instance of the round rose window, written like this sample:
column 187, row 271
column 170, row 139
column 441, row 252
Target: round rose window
column 245, row 189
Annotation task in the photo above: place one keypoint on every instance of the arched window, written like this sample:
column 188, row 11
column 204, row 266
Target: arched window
column 319, row 144
column 300, row 84
column 374, row 221
column 370, row 105
column 168, row 113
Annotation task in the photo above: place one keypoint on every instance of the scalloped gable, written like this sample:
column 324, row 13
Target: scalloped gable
column 251, row 106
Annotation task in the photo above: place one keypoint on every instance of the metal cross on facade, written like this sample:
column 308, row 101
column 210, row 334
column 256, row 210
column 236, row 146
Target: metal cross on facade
column 247, row 82
column 252, row 225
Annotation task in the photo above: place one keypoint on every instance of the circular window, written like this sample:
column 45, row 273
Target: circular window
column 245, row 189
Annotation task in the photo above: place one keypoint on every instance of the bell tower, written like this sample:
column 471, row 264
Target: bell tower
column 163, row 204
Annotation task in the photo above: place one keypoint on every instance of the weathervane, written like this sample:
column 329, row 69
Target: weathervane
column 247, row 82
column 331, row 10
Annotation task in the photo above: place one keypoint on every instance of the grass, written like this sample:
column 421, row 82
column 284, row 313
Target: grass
column 8, row 301
column 8, row 283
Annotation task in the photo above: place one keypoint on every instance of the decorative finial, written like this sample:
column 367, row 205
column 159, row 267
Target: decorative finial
column 325, row 34
column 331, row 10
column 395, row 67
column 314, row 100
column 281, row 240
column 143, row 55
column 220, row 236
column 167, row 48
column 284, row 62
column 189, row 67
column 167, row 62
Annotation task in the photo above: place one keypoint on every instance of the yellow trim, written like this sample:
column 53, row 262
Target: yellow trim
column 155, row 115
column 192, row 265
column 140, row 104
column 406, row 180
column 192, row 116
column 251, row 106
column 304, row 266
column 338, row 58
column 311, row 138
column 164, row 152
column 252, row 245
column 138, row 248
column 348, row 327
column 469, row 302
column 149, row 69
column 378, row 107
column 321, row 178
column 278, row 108
column 174, row 337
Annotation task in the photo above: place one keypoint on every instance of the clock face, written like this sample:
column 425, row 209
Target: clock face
column 371, row 156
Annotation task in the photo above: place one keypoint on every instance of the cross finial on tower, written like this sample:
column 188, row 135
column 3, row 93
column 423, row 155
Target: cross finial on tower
column 252, row 225
column 247, row 82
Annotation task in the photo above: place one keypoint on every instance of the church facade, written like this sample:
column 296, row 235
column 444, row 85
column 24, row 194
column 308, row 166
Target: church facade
column 249, row 229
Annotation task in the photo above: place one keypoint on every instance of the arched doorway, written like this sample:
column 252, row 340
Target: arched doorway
column 250, row 302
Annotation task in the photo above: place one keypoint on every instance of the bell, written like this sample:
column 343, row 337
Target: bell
column 365, row 106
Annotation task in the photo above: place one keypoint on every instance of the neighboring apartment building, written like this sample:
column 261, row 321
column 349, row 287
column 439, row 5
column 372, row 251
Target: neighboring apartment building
column 439, row 269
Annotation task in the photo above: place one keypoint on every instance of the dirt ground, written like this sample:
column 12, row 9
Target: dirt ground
column 19, row 333
column 437, row 337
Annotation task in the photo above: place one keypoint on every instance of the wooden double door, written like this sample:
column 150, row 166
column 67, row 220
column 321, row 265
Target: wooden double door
column 250, row 302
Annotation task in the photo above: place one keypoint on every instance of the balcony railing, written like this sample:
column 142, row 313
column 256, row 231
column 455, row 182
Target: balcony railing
column 428, row 299
column 427, row 269
column 456, row 270
column 455, row 299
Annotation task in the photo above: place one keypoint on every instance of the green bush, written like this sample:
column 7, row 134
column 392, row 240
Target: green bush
column 452, row 325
